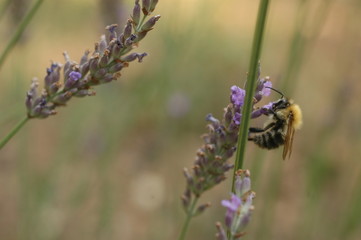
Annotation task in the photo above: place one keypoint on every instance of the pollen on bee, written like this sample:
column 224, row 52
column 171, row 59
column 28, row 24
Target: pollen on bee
column 297, row 116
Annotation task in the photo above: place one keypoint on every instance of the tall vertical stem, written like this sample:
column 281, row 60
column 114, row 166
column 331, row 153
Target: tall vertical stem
column 250, row 85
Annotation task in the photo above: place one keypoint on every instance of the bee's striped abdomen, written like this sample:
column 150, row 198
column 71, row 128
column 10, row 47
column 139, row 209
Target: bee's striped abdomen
column 269, row 140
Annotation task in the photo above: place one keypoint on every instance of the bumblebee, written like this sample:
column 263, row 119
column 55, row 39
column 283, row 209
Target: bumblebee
column 284, row 118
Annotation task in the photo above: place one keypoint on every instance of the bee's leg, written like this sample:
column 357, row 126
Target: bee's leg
column 259, row 130
column 256, row 130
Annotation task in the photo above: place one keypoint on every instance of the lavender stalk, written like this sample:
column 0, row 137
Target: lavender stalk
column 110, row 56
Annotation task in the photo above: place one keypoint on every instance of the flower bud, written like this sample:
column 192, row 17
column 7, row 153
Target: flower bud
column 150, row 23
column 116, row 49
column 145, row 6
column 35, row 111
column 84, row 69
column 130, row 40
column 84, row 58
column 54, row 88
column 106, row 78
column 152, row 5
column 84, row 92
column 136, row 13
column 113, row 33
column 53, row 75
column 221, row 234
column 131, row 57
column 69, row 65
column 63, row 98
column 116, row 68
column 102, row 44
column 121, row 39
column 100, row 73
column 127, row 29
column 140, row 36
column 188, row 176
column 72, row 79
column 213, row 120
column 45, row 112
column 93, row 64
column 202, row 208
column 228, row 115
column 29, row 101
column 104, row 59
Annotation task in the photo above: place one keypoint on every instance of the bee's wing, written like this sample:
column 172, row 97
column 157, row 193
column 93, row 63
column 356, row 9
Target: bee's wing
column 287, row 150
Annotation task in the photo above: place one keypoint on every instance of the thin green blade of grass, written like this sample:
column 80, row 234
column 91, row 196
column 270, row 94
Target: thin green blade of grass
column 19, row 31
column 251, row 85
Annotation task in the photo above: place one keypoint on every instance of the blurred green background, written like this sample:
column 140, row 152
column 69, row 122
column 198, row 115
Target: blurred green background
column 110, row 166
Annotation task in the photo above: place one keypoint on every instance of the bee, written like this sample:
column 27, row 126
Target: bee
column 284, row 118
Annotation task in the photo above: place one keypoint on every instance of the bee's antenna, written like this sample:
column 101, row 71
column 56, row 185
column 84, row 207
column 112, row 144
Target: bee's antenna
column 276, row 91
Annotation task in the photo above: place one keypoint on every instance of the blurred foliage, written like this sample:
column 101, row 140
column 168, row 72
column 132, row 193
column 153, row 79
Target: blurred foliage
column 110, row 166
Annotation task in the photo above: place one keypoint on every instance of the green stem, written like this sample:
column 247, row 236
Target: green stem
column 250, row 85
column 13, row 132
column 141, row 23
column 24, row 23
column 190, row 214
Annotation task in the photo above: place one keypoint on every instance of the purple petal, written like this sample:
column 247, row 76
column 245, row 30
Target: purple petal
column 75, row 75
column 266, row 91
column 229, row 218
column 237, row 96
column 228, row 204
column 268, row 106
column 236, row 200
column 232, row 204
column 237, row 118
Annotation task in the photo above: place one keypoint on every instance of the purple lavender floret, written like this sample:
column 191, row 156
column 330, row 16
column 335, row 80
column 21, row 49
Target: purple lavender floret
column 262, row 89
column 239, row 206
column 72, row 79
column 232, row 206
column 111, row 54
column 237, row 118
column 262, row 111
column 266, row 91
column 237, row 96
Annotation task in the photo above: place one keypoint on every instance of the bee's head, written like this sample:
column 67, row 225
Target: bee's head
column 282, row 104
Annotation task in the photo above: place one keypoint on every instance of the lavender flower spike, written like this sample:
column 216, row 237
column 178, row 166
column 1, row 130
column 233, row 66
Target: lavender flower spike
column 211, row 165
column 111, row 54
column 220, row 142
column 211, row 162
column 239, row 207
